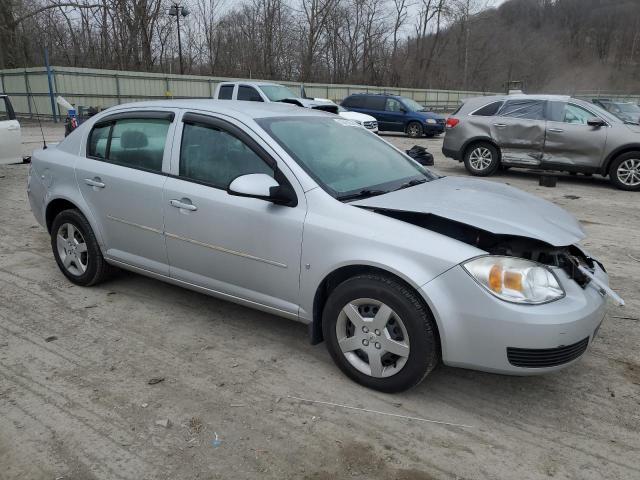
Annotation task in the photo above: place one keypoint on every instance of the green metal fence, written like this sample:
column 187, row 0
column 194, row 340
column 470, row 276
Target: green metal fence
column 29, row 90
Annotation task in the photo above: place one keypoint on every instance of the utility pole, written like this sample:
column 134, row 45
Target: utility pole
column 178, row 11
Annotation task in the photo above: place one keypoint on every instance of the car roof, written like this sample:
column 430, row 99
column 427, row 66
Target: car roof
column 377, row 94
column 233, row 108
column 251, row 82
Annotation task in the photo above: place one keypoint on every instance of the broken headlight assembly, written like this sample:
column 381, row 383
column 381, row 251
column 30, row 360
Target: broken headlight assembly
column 514, row 279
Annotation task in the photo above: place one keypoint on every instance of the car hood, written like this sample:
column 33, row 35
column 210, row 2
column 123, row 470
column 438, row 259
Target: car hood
column 490, row 206
column 309, row 103
column 362, row 117
column 426, row 115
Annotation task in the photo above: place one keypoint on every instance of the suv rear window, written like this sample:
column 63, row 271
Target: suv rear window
column 488, row 110
column 354, row 101
column 375, row 102
column 525, row 109
column 226, row 92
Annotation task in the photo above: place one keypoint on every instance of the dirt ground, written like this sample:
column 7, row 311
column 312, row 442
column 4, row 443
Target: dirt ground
column 75, row 365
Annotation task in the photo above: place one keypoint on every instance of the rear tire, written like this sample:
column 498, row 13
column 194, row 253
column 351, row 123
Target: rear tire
column 624, row 172
column 414, row 129
column 76, row 249
column 380, row 333
column 482, row 159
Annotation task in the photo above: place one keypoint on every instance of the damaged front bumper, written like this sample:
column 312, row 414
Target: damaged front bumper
column 482, row 332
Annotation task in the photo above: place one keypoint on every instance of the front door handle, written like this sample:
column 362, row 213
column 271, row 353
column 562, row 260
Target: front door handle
column 500, row 125
column 183, row 204
column 556, row 130
column 94, row 182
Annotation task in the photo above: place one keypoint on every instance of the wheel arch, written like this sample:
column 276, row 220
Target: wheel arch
column 634, row 147
column 61, row 203
column 481, row 139
column 339, row 275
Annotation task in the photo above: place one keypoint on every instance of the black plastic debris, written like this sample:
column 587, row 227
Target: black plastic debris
column 420, row 155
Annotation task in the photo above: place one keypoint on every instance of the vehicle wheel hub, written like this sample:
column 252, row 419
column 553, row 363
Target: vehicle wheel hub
column 629, row 172
column 72, row 249
column 372, row 337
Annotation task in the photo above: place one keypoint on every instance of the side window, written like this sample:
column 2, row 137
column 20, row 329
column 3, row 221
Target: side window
column 355, row 101
column 248, row 93
column 216, row 157
column 576, row 114
column 375, row 103
column 226, row 92
column 130, row 142
column 98, row 141
column 525, row 109
column 488, row 110
column 393, row 105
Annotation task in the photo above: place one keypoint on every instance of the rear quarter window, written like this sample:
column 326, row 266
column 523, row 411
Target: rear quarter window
column 226, row 92
column 488, row 110
column 353, row 102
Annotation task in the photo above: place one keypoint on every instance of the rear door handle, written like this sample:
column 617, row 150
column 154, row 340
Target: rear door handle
column 94, row 182
column 556, row 130
column 184, row 204
column 500, row 125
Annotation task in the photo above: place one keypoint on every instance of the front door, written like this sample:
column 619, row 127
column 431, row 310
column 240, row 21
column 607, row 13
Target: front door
column 519, row 131
column 394, row 115
column 122, row 178
column 571, row 142
column 243, row 248
column 10, row 137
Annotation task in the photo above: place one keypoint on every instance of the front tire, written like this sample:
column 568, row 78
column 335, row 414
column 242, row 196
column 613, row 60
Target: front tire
column 76, row 249
column 414, row 129
column 482, row 159
column 379, row 333
column 624, row 172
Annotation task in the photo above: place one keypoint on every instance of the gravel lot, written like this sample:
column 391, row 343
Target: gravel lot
column 75, row 402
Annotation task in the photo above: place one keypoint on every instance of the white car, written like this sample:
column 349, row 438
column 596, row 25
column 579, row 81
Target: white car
column 367, row 121
column 10, row 136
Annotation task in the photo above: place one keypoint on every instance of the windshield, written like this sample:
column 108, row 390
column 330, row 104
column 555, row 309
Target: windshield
column 627, row 107
column 413, row 105
column 276, row 93
column 345, row 159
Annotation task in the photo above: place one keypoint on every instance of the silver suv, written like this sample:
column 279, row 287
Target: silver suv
column 546, row 132
column 308, row 216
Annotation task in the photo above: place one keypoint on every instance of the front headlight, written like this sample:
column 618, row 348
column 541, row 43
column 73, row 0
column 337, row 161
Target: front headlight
column 515, row 279
column 431, row 120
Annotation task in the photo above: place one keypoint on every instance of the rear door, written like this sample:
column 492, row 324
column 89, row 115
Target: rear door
column 375, row 105
column 121, row 178
column 10, row 136
column 570, row 142
column 519, row 131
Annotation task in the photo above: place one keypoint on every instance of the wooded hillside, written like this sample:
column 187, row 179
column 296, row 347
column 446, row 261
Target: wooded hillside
column 553, row 45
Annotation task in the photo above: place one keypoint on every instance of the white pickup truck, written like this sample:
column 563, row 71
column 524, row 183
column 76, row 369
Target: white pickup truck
column 10, row 136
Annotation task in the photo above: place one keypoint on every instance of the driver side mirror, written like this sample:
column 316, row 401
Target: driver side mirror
column 263, row 187
column 403, row 110
column 596, row 122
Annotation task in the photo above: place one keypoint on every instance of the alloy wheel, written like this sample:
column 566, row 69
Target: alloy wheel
column 629, row 172
column 372, row 337
column 414, row 130
column 72, row 249
column 480, row 158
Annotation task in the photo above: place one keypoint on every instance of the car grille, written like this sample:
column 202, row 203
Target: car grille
column 546, row 357
column 370, row 125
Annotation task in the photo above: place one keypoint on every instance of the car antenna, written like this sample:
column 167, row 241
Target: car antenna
column 35, row 106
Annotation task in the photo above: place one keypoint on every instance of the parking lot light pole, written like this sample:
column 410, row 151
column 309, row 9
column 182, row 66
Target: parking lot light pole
column 178, row 11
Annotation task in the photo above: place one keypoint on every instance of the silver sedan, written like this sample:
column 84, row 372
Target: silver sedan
column 313, row 218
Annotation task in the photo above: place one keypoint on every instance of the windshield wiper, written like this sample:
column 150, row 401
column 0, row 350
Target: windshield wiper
column 412, row 183
column 365, row 193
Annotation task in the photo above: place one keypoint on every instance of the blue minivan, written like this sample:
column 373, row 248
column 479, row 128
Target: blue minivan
column 396, row 114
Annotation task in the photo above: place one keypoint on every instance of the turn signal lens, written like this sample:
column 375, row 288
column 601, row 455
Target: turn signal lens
column 515, row 279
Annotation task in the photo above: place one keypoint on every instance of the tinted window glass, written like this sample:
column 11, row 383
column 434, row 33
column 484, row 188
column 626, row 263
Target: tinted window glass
column 355, row 101
column 139, row 143
column 4, row 111
column 343, row 157
column 393, row 105
column 488, row 110
column 226, row 92
column 98, row 141
column 525, row 109
column 576, row 114
column 375, row 103
column 248, row 93
column 216, row 157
